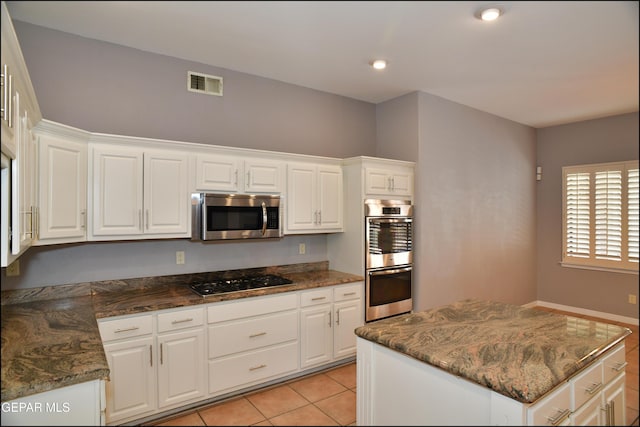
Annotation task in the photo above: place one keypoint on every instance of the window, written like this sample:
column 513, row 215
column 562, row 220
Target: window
column 600, row 216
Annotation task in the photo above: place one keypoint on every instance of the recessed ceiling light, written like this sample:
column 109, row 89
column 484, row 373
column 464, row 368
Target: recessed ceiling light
column 379, row 64
column 490, row 13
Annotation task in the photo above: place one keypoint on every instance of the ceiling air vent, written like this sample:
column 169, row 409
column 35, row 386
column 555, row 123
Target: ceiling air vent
column 203, row 83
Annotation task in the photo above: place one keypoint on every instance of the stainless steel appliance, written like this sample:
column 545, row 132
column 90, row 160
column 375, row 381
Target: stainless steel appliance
column 388, row 258
column 235, row 216
column 223, row 286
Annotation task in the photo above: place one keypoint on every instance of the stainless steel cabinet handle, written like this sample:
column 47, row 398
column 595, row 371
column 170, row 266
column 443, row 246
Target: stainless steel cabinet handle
column 9, row 107
column 246, row 184
column 140, row 218
column 259, row 334
column 258, row 367
column 161, row 358
column 151, row 355
column 347, row 294
column 83, row 214
column 132, row 328
column 337, row 317
column 319, row 217
column 594, row 388
column 317, row 298
column 236, row 177
column 619, row 367
column 147, row 219
column 612, row 413
column 329, row 319
column 560, row 416
column 189, row 319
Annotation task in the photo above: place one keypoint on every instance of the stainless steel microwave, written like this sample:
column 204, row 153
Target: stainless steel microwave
column 235, row 216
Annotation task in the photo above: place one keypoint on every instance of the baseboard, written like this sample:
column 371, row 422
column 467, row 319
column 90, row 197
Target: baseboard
column 584, row 311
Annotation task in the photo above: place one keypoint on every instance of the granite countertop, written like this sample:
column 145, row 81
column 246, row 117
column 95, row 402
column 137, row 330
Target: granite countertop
column 519, row 352
column 50, row 336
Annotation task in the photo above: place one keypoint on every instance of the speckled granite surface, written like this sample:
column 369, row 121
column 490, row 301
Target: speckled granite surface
column 50, row 335
column 519, row 352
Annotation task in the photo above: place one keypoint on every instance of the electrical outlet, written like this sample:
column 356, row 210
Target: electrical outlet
column 180, row 257
column 302, row 249
column 13, row 269
column 632, row 299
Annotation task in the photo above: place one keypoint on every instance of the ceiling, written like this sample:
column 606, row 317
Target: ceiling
column 540, row 64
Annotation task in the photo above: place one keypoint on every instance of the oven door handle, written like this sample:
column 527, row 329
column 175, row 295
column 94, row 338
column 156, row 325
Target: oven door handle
column 389, row 220
column 389, row 271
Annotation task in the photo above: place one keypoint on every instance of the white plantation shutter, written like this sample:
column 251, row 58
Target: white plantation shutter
column 632, row 201
column 608, row 220
column 578, row 210
column 600, row 215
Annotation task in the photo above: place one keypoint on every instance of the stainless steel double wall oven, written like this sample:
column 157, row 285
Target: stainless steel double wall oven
column 388, row 258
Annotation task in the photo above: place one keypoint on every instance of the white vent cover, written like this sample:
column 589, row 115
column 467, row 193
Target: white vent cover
column 203, row 83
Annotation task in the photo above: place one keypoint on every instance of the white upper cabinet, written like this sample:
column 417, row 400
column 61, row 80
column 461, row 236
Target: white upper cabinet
column 314, row 198
column 62, row 184
column 138, row 193
column 386, row 181
column 237, row 174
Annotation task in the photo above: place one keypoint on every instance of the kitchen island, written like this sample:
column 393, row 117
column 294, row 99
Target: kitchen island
column 487, row 363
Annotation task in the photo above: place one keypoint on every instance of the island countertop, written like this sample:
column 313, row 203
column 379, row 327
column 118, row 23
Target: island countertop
column 519, row 352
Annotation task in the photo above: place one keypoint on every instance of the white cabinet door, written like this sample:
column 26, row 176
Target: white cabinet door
column 348, row 316
column 117, row 191
column 262, row 176
column 23, row 182
column 131, row 390
column 614, row 403
column 181, row 371
column 138, row 194
column 329, row 198
column 316, row 335
column 217, row 173
column 62, row 190
column 314, row 195
column 166, row 200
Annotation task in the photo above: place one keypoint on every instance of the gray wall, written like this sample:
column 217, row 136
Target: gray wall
column 476, row 198
column 594, row 141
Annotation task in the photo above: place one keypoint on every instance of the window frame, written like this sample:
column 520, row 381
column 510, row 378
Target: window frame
column 593, row 261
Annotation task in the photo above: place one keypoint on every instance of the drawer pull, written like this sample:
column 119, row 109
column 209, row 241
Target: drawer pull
column 133, row 328
column 594, row 388
column 619, row 366
column 560, row 416
column 317, row 298
column 257, row 335
column 151, row 356
column 348, row 294
column 188, row 319
column 258, row 367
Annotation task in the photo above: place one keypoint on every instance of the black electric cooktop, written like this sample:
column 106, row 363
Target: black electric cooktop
column 223, row 286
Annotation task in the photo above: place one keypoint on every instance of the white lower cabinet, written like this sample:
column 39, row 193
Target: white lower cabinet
column 251, row 341
column 166, row 359
column 328, row 317
column 153, row 367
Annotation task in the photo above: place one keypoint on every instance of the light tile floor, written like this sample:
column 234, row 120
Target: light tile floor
column 328, row 398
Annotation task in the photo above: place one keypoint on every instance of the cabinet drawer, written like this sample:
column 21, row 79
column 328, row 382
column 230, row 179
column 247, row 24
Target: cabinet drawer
column 256, row 306
column 125, row 328
column 552, row 408
column 586, row 385
column 250, row 368
column 180, row 319
column 614, row 363
column 250, row 334
column 315, row 297
column 343, row 293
